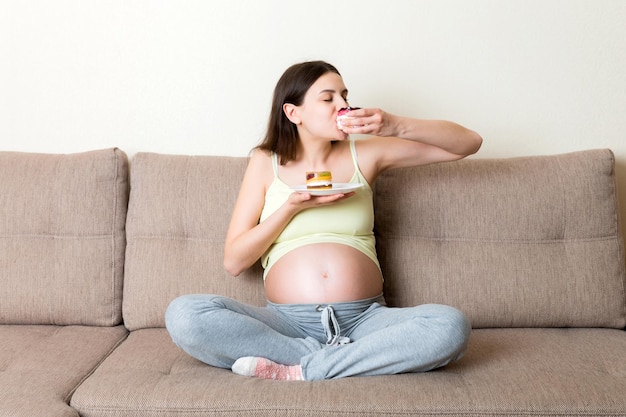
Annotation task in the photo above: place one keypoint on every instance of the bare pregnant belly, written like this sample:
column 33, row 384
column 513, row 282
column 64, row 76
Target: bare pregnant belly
column 323, row 273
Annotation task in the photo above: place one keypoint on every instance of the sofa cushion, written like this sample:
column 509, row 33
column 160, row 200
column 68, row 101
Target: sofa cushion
column 505, row 372
column 62, row 237
column 41, row 366
column 521, row 242
column 178, row 214
column 530, row 241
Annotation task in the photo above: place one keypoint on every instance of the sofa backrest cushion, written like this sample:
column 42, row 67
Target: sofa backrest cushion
column 530, row 241
column 521, row 242
column 62, row 240
column 178, row 214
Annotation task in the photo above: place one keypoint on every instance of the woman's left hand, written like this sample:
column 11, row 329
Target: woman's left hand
column 369, row 122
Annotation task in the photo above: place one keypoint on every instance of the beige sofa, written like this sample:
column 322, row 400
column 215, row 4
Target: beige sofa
column 529, row 248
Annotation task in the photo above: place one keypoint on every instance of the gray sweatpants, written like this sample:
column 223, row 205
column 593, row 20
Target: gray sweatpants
column 330, row 341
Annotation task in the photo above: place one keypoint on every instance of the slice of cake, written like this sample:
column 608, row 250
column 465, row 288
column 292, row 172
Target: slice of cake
column 319, row 180
column 341, row 115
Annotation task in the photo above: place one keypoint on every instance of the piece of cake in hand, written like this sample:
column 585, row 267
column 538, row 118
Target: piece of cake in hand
column 319, row 180
column 341, row 115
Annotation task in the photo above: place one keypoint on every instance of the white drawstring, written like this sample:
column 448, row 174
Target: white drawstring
column 331, row 327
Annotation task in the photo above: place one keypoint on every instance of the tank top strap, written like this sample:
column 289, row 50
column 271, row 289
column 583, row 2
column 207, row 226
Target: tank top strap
column 275, row 164
column 354, row 157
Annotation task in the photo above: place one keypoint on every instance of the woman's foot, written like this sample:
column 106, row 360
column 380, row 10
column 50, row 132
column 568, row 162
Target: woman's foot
column 266, row 369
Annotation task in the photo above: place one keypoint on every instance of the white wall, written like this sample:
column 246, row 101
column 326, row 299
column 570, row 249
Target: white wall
column 185, row 76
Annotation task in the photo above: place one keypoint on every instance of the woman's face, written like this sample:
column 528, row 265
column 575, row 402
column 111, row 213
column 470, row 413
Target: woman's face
column 318, row 112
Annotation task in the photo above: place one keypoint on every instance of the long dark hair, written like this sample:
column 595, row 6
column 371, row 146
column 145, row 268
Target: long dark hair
column 282, row 135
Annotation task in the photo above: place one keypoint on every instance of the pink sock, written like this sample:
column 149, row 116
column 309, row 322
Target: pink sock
column 266, row 369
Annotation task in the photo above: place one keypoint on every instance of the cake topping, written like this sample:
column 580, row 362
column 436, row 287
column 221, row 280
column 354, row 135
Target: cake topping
column 341, row 115
column 345, row 110
column 319, row 180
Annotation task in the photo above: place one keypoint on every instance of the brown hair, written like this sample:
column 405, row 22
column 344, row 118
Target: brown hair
column 282, row 134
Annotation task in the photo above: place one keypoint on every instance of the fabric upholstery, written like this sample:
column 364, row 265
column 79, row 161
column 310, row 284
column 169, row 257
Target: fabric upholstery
column 511, row 372
column 520, row 242
column 533, row 239
column 178, row 215
column 62, row 240
column 535, row 243
column 41, row 366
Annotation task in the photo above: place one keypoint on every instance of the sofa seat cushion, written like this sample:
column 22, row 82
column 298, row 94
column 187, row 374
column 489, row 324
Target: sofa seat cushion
column 40, row 366
column 505, row 372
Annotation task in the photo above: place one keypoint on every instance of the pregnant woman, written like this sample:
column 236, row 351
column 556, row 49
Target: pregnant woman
column 325, row 316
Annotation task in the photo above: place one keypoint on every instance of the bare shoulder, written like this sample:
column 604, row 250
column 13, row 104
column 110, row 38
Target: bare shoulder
column 256, row 180
column 260, row 170
column 371, row 153
column 259, row 156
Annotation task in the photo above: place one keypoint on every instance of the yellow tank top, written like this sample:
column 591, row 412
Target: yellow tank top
column 349, row 222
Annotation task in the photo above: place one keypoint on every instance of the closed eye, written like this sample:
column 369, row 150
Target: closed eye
column 344, row 95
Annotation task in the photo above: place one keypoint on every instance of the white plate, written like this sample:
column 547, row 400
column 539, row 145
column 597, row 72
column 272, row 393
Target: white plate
column 338, row 188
